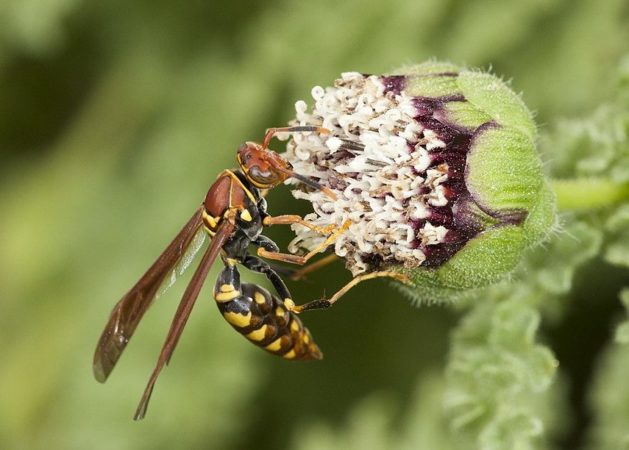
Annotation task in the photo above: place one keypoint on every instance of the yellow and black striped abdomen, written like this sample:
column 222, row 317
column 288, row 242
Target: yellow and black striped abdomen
column 264, row 320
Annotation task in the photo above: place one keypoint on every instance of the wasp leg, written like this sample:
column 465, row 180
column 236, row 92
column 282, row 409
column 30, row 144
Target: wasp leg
column 286, row 272
column 326, row 303
column 290, row 219
column 301, row 273
column 257, row 265
column 301, row 260
column 266, row 243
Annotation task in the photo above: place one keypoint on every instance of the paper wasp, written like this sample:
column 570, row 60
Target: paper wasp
column 233, row 214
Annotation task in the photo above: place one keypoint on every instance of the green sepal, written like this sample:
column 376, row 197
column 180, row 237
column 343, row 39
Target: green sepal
column 492, row 96
column 428, row 68
column 504, row 172
column 513, row 203
column 432, row 86
column 461, row 114
column 484, row 259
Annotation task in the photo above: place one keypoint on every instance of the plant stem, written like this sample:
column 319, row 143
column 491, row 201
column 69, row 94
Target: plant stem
column 580, row 194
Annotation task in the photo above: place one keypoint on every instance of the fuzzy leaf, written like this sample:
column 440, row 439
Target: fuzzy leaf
column 610, row 396
column 617, row 251
column 622, row 330
column 495, row 364
column 552, row 267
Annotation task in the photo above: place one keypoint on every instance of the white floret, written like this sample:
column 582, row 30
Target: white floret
column 384, row 189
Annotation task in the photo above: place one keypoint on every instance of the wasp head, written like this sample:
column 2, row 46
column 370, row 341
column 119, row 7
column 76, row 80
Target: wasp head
column 266, row 169
column 263, row 167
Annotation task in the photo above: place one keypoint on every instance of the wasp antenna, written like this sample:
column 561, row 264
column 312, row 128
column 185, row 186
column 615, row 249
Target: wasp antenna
column 313, row 184
column 352, row 146
column 319, row 130
column 298, row 129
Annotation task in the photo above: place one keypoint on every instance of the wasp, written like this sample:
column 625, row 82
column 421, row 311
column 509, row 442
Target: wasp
column 233, row 214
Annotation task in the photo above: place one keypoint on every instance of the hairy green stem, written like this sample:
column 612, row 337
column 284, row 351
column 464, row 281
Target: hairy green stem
column 580, row 194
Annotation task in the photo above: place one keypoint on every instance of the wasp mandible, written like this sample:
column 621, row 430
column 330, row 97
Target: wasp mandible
column 233, row 214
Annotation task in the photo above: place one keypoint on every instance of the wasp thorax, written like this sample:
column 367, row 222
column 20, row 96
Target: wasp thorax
column 427, row 165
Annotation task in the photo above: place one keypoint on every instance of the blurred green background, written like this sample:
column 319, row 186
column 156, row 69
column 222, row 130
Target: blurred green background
column 115, row 117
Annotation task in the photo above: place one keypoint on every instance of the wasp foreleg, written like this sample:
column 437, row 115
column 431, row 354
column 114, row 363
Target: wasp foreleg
column 301, row 260
column 290, row 219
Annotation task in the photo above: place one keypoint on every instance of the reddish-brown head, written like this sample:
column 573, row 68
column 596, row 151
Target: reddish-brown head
column 266, row 169
column 263, row 167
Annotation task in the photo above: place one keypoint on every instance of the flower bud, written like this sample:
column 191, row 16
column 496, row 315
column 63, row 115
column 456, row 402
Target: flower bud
column 435, row 167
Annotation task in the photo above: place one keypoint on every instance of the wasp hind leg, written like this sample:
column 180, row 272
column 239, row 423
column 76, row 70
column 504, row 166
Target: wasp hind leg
column 300, row 274
column 326, row 303
column 263, row 319
column 270, row 246
column 257, row 265
column 282, row 332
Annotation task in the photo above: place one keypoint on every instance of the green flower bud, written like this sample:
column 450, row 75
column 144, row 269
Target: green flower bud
column 435, row 167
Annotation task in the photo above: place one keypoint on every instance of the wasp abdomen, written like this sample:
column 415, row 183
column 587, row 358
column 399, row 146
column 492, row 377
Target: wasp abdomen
column 263, row 318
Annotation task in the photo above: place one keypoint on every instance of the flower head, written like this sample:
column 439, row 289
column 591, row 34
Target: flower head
column 426, row 164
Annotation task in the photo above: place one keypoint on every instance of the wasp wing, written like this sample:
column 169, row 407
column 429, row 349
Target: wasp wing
column 223, row 233
column 184, row 262
column 131, row 308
